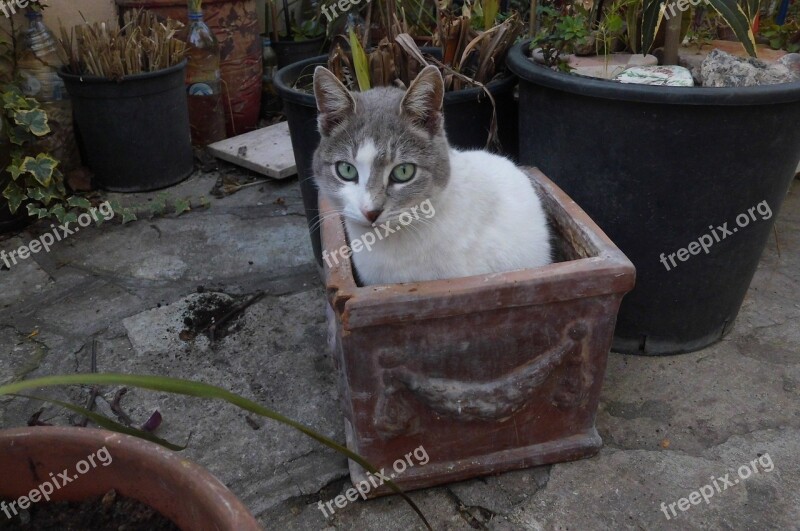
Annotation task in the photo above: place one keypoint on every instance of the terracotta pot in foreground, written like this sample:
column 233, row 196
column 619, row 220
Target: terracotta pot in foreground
column 180, row 490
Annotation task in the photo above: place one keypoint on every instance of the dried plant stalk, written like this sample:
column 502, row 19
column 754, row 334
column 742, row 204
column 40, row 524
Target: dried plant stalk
column 144, row 44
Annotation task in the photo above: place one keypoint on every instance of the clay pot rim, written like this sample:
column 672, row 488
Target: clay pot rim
column 206, row 490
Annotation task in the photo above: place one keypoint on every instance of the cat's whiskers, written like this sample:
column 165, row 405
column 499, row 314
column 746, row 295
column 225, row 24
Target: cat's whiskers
column 327, row 215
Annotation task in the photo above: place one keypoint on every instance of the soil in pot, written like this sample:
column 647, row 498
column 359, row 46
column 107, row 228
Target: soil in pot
column 110, row 512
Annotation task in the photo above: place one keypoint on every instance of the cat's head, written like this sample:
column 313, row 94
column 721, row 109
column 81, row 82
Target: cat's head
column 382, row 151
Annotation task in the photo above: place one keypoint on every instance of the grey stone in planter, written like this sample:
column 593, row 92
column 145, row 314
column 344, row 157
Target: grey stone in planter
column 721, row 69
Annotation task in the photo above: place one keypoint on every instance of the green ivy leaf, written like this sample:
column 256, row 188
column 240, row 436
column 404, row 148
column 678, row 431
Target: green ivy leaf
column 42, row 168
column 128, row 215
column 15, row 171
column 159, row 205
column 36, row 194
column 181, row 206
column 19, row 134
column 15, row 196
column 115, row 205
column 59, row 212
column 79, row 202
column 45, row 194
column 35, row 120
column 34, row 210
column 13, row 98
column 71, row 217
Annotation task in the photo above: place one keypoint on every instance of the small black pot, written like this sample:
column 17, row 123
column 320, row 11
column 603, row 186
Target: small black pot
column 134, row 132
column 290, row 52
column 467, row 115
column 658, row 168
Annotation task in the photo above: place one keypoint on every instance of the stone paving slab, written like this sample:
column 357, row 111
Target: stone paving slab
column 669, row 424
column 267, row 151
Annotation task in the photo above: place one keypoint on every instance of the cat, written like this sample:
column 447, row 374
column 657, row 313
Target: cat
column 384, row 155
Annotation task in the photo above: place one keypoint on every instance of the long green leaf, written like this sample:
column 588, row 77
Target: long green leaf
column 733, row 14
column 751, row 8
column 490, row 10
column 360, row 62
column 652, row 15
column 200, row 390
column 107, row 423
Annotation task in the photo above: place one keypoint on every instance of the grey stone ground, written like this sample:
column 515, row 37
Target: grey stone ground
column 669, row 424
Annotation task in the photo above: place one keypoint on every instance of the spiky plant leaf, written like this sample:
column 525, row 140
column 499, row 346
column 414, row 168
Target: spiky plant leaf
column 360, row 62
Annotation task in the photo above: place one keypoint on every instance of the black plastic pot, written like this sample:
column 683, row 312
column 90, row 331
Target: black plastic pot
column 290, row 52
column 467, row 115
column 658, row 168
column 135, row 132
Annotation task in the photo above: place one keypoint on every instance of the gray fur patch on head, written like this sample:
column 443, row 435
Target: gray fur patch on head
column 395, row 127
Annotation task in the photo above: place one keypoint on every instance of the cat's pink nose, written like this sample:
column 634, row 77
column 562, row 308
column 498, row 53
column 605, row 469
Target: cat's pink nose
column 372, row 215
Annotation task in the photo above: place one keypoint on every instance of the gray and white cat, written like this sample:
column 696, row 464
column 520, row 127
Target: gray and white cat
column 384, row 153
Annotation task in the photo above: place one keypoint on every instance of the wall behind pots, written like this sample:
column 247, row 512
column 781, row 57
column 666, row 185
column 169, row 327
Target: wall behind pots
column 68, row 12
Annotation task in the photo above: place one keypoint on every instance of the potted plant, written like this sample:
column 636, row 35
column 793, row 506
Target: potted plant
column 662, row 169
column 181, row 491
column 128, row 94
column 139, row 464
column 301, row 40
column 479, row 105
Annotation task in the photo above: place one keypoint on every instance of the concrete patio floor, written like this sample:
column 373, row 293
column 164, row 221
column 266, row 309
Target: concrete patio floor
column 669, row 424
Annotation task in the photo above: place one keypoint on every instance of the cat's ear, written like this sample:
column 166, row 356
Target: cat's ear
column 334, row 101
column 424, row 98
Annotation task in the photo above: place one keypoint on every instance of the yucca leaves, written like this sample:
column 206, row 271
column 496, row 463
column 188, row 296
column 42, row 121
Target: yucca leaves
column 739, row 21
column 188, row 388
column 490, row 10
column 652, row 16
column 360, row 62
column 738, row 14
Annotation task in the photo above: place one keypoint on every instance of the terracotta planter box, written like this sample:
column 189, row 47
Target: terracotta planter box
column 487, row 373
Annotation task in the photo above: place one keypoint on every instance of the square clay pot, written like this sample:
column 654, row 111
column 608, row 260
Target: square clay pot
column 488, row 373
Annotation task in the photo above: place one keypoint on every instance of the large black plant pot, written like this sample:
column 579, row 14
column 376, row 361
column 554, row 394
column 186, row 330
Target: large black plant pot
column 659, row 168
column 467, row 116
column 135, row 131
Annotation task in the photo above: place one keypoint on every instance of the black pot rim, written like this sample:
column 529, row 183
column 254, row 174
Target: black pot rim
column 286, row 76
column 82, row 78
column 519, row 63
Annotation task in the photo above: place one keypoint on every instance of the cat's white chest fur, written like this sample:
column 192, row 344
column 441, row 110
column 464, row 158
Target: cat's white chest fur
column 488, row 219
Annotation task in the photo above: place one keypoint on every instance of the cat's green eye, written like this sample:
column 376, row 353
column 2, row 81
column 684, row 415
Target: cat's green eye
column 403, row 173
column 346, row 171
